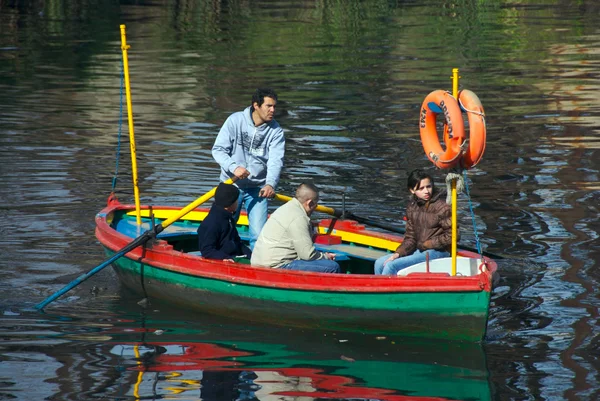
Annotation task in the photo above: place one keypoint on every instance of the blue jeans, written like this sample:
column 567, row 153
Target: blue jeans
column 394, row 266
column 257, row 211
column 319, row 266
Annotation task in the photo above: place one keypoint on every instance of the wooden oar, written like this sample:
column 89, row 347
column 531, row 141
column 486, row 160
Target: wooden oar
column 142, row 239
column 351, row 216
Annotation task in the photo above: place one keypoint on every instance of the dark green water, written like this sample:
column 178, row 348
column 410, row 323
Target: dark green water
column 351, row 76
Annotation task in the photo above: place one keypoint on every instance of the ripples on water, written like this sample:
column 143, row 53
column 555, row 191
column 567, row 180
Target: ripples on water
column 351, row 79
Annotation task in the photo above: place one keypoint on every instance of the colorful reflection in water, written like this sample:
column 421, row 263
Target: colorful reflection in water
column 260, row 371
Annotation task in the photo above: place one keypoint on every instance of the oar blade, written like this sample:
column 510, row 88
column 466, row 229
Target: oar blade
column 132, row 245
column 142, row 239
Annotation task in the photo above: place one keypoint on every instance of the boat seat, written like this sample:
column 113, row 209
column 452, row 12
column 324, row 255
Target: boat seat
column 347, row 251
column 176, row 231
column 464, row 267
column 130, row 228
column 342, row 251
column 239, row 259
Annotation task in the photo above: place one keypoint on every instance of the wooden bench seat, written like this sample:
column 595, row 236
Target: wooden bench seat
column 130, row 228
column 352, row 251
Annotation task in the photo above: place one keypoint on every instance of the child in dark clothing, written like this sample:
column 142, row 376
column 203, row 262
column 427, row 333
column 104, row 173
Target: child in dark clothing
column 217, row 235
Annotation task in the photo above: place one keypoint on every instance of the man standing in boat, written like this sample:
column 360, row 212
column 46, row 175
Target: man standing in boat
column 286, row 239
column 251, row 146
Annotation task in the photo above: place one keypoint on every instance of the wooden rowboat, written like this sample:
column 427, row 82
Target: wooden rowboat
column 425, row 301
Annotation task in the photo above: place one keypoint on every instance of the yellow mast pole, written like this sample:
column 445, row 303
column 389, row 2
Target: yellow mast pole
column 455, row 78
column 136, row 190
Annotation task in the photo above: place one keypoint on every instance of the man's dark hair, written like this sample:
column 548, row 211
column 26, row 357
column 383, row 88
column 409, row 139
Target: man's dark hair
column 260, row 95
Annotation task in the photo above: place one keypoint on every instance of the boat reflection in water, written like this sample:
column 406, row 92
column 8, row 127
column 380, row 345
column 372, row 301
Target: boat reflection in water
column 224, row 370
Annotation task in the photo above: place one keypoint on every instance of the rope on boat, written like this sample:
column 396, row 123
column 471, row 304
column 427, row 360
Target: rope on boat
column 118, row 155
column 460, row 185
column 471, row 111
column 478, row 244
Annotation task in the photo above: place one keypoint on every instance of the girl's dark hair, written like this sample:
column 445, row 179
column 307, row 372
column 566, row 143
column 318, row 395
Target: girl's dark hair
column 415, row 177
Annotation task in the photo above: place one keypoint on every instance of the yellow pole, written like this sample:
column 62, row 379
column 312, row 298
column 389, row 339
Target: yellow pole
column 193, row 205
column 319, row 208
column 454, row 230
column 455, row 78
column 136, row 190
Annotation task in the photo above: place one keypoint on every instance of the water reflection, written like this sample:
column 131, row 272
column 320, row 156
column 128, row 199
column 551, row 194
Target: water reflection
column 166, row 353
column 259, row 371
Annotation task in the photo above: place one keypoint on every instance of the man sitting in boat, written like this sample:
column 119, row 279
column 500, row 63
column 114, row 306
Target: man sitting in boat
column 428, row 227
column 218, row 237
column 285, row 241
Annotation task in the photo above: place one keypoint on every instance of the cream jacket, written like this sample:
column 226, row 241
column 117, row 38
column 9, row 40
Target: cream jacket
column 285, row 237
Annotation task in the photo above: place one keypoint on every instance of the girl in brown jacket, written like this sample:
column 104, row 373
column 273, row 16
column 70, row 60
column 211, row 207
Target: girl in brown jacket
column 428, row 227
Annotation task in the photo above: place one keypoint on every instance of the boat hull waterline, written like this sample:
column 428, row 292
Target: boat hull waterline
column 426, row 305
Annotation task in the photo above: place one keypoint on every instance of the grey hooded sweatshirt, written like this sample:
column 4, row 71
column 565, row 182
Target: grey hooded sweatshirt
column 259, row 149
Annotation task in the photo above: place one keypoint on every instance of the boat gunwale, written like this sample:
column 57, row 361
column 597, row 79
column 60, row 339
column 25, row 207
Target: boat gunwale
column 162, row 255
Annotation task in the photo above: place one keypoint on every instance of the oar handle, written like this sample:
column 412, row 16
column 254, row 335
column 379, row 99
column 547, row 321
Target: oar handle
column 192, row 206
column 323, row 209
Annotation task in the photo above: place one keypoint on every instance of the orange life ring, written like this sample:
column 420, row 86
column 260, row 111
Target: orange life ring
column 471, row 104
column 441, row 102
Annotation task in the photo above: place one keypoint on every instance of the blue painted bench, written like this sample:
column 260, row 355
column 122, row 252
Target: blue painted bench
column 130, row 228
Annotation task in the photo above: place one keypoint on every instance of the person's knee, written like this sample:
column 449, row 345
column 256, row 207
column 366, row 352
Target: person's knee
column 391, row 269
column 387, row 271
column 332, row 267
column 378, row 267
